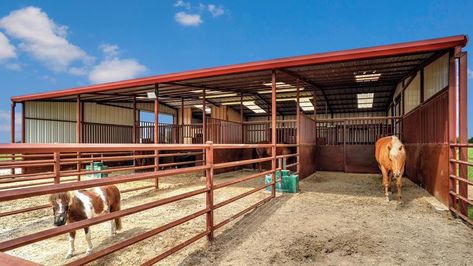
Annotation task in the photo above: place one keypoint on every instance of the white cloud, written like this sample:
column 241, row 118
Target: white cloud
column 187, row 19
column 13, row 66
column 470, row 73
column 42, row 38
column 184, row 4
column 5, row 126
column 216, row 11
column 116, row 69
column 109, row 50
column 7, row 50
column 113, row 68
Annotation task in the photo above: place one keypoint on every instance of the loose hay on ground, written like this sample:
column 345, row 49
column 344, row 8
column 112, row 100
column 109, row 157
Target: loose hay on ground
column 52, row 251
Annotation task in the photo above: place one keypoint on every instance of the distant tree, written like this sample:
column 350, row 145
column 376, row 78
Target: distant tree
column 470, row 140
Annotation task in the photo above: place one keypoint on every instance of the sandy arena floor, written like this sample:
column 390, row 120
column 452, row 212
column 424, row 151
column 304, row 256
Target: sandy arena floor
column 338, row 219
column 342, row 219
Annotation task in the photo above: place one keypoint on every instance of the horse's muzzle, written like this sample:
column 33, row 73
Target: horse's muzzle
column 60, row 220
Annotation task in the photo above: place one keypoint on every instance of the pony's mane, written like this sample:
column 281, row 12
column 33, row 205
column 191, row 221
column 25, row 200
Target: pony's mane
column 395, row 145
column 64, row 196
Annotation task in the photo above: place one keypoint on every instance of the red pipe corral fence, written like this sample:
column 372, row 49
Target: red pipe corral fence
column 59, row 168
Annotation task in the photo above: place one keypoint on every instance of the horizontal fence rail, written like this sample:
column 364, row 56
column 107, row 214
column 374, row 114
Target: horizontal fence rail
column 66, row 167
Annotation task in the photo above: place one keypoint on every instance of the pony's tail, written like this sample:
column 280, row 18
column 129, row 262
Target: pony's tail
column 117, row 207
column 118, row 221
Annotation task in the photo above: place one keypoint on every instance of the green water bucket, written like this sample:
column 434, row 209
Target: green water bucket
column 292, row 184
column 96, row 166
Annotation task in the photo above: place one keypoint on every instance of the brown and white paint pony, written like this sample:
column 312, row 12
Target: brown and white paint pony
column 391, row 157
column 69, row 207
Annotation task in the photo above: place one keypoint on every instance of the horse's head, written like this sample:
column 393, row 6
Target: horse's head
column 397, row 155
column 60, row 203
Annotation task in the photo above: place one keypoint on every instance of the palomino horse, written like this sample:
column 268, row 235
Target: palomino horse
column 69, row 207
column 266, row 152
column 391, row 157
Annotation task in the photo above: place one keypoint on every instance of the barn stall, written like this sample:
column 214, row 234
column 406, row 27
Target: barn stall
column 328, row 109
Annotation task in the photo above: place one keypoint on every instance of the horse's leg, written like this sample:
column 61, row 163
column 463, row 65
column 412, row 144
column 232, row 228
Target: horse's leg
column 72, row 237
column 113, row 228
column 89, row 242
column 399, row 186
column 386, row 182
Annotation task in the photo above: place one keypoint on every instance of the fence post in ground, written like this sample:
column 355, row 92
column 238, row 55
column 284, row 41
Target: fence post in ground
column 209, row 177
column 156, row 167
column 78, row 166
column 57, row 167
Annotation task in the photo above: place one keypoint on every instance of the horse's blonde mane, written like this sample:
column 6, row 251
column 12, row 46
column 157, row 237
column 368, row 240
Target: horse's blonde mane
column 395, row 145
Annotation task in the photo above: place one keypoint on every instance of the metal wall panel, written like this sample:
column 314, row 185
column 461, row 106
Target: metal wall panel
column 105, row 114
column 44, row 131
column 40, row 126
column 436, row 76
column 412, row 94
column 51, row 110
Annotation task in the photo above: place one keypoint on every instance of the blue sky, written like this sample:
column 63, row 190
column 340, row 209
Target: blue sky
column 48, row 45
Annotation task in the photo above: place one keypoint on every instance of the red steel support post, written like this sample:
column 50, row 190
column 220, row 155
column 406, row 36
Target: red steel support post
column 204, row 122
column 156, row 135
column 273, row 132
column 12, row 127
column 204, row 118
column 12, row 122
column 209, row 177
column 462, row 119
column 298, row 129
column 452, row 126
column 182, row 120
column 57, row 168
column 79, row 139
column 78, row 120
column 241, row 119
column 134, row 120
column 23, row 123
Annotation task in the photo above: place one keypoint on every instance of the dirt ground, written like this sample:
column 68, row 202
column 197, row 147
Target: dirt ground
column 337, row 219
column 342, row 219
column 52, row 251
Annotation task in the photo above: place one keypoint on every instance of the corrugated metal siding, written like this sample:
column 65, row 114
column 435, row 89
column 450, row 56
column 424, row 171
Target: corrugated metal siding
column 149, row 107
column 436, row 76
column 42, row 131
column 412, row 94
column 105, row 114
column 51, row 110
column 38, row 130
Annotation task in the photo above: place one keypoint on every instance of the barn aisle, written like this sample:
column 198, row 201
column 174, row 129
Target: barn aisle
column 342, row 219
